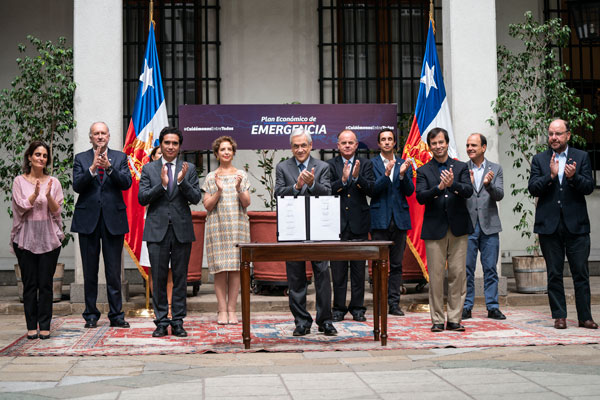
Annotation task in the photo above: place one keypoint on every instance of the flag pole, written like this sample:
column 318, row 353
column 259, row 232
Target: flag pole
column 147, row 312
column 431, row 12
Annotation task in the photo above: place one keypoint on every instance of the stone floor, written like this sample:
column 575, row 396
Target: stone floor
column 541, row 372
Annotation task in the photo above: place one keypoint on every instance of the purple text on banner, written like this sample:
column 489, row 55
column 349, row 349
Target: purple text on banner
column 268, row 126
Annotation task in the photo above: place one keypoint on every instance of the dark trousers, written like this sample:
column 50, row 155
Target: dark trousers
column 37, row 271
column 397, row 236
column 112, row 247
column 296, row 277
column 160, row 254
column 577, row 249
column 339, row 276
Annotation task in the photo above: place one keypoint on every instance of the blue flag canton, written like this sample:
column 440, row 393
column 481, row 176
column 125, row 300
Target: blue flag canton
column 431, row 90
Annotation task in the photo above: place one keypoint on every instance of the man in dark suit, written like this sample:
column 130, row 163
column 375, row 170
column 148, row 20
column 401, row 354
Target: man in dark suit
column 352, row 179
column 560, row 178
column 167, row 187
column 99, row 176
column 303, row 175
column 389, row 210
column 443, row 186
column 488, row 186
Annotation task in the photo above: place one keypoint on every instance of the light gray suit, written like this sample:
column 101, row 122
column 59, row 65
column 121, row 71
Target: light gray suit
column 169, row 233
column 482, row 204
column 286, row 176
column 483, row 211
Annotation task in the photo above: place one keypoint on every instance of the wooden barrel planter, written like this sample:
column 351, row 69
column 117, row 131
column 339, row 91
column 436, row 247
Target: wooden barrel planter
column 57, row 282
column 530, row 274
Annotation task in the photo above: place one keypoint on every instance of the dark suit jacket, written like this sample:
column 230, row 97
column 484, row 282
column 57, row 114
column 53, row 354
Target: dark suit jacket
column 161, row 206
column 96, row 196
column 552, row 194
column 354, row 208
column 448, row 207
column 390, row 197
column 286, row 176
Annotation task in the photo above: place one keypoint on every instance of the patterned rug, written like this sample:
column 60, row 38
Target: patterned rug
column 273, row 332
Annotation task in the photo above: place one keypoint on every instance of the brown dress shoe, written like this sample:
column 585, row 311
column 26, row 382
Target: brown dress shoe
column 560, row 323
column 589, row 324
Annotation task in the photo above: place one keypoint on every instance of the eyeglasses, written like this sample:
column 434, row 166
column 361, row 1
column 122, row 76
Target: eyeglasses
column 550, row 134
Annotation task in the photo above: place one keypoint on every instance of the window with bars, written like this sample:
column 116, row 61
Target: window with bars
column 371, row 51
column 187, row 41
column 583, row 75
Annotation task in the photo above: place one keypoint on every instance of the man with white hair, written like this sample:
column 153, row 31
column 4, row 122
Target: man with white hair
column 303, row 175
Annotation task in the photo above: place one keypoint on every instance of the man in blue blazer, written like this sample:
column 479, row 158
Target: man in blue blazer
column 168, row 186
column 443, row 186
column 99, row 176
column 560, row 178
column 352, row 179
column 303, row 175
column 389, row 210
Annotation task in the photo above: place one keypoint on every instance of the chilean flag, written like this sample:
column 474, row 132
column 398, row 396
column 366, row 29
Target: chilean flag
column 431, row 111
column 148, row 119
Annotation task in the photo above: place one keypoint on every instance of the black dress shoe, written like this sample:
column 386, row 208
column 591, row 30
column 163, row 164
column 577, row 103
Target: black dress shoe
column 120, row 323
column 360, row 317
column 91, row 323
column 560, row 323
column 160, row 331
column 453, row 326
column 437, row 328
column 44, row 337
column 178, row 331
column 495, row 313
column 32, row 337
column 396, row 310
column 328, row 329
column 337, row 317
column 301, row 331
column 466, row 314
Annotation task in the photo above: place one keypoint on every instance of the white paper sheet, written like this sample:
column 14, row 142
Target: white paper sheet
column 325, row 218
column 291, row 218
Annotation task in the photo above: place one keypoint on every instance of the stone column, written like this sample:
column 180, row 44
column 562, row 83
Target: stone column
column 470, row 76
column 98, row 73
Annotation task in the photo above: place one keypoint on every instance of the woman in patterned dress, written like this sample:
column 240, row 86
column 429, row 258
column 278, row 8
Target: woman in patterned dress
column 227, row 196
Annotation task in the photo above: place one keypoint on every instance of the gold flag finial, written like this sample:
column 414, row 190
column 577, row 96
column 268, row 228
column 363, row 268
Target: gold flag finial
column 431, row 18
column 151, row 13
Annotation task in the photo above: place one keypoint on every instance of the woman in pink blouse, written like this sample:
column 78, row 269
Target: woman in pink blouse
column 36, row 235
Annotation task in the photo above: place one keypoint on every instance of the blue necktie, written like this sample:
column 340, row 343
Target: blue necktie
column 301, row 167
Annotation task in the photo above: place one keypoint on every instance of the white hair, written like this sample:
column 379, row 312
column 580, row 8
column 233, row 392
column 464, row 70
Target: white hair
column 298, row 130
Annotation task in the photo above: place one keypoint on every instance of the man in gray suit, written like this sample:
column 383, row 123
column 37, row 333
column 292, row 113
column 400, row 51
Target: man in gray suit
column 488, row 188
column 167, row 187
column 303, row 175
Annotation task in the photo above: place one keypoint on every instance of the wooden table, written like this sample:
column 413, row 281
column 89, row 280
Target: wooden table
column 378, row 251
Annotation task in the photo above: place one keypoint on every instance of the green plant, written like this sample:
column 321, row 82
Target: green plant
column 532, row 91
column 39, row 106
column 266, row 160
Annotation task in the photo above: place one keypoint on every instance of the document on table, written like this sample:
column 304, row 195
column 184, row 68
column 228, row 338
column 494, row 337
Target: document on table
column 291, row 218
column 324, row 218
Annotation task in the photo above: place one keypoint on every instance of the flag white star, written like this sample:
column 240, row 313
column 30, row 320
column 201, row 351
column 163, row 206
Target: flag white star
column 428, row 79
column 146, row 77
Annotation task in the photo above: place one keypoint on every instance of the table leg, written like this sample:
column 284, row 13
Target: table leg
column 376, row 298
column 383, row 266
column 245, row 283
